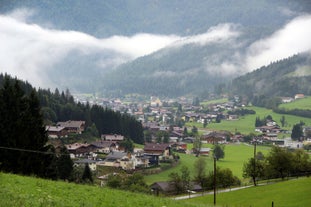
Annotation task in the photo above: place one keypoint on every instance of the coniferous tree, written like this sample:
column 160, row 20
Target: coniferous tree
column 87, row 174
column 64, row 164
column 297, row 132
column 22, row 132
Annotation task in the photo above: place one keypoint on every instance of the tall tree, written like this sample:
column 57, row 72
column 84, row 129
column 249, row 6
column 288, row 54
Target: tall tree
column 297, row 132
column 219, row 151
column 64, row 164
column 283, row 121
column 197, row 145
column 254, row 168
column 200, row 170
column 87, row 174
column 185, row 177
column 22, row 132
column 176, row 182
column 279, row 162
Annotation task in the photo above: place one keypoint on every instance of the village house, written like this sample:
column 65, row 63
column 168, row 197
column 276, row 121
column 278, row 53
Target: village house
column 307, row 131
column 233, row 117
column 268, row 129
column 83, row 162
column 112, row 137
column 204, row 151
column 287, row 99
column 161, row 149
column 215, row 138
column 56, row 131
column 179, row 147
column 80, row 149
column 142, row 161
column 167, row 188
column 299, row 96
column 118, row 159
column 70, row 126
column 105, row 146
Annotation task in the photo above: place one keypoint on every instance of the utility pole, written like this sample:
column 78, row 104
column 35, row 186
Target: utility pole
column 255, row 142
column 214, row 180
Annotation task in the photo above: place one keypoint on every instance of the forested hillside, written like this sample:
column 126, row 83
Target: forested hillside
column 60, row 106
column 186, row 76
column 283, row 78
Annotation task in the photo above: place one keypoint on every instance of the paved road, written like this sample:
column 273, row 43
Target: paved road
column 192, row 195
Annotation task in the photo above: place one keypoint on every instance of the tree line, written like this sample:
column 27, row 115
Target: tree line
column 24, row 111
column 279, row 163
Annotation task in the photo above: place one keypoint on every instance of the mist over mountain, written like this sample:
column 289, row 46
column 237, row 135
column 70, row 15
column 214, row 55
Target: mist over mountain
column 165, row 48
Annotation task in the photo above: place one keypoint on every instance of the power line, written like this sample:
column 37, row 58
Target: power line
column 32, row 151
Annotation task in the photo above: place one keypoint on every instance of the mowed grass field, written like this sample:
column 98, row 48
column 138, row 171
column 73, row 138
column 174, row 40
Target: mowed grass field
column 235, row 157
column 291, row 193
column 16, row 191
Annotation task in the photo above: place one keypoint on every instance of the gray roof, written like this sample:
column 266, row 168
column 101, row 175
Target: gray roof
column 85, row 161
column 116, row 155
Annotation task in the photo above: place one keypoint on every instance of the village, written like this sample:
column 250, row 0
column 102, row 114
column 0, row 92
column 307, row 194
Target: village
column 157, row 116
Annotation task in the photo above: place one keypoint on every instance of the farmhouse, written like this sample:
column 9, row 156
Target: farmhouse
column 112, row 137
column 268, row 129
column 158, row 149
column 72, row 126
column 119, row 159
column 79, row 149
column 167, row 188
column 91, row 163
column 214, row 137
column 299, row 96
column 56, row 131
column 105, row 146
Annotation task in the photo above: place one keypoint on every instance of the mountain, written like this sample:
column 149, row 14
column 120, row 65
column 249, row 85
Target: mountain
column 164, row 48
column 173, row 71
column 285, row 77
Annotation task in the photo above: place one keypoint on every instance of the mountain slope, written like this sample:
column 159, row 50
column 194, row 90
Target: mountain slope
column 175, row 71
column 283, row 78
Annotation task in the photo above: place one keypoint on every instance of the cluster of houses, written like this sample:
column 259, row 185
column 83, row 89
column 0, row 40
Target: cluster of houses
column 151, row 154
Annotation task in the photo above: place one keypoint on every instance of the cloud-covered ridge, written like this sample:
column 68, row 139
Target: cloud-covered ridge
column 29, row 50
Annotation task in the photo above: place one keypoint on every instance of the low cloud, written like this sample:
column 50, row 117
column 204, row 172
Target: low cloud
column 293, row 38
column 217, row 34
column 29, row 50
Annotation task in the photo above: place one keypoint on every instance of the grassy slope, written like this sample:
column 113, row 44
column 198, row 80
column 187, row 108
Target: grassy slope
column 304, row 103
column 235, row 156
column 246, row 124
column 290, row 193
column 26, row 191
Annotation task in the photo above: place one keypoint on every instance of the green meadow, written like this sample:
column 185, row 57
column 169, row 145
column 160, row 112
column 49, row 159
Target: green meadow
column 304, row 103
column 246, row 124
column 235, row 156
column 19, row 191
column 291, row 193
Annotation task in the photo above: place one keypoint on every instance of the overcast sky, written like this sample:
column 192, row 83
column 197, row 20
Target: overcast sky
column 28, row 49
